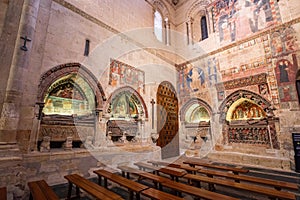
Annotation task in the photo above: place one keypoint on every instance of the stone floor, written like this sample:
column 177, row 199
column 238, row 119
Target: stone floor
column 61, row 190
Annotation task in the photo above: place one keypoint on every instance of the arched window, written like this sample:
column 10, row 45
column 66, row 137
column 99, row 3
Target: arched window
column 204, row 33
column 158, row 26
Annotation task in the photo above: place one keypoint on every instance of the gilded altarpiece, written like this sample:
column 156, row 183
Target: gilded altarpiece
column 248, row 119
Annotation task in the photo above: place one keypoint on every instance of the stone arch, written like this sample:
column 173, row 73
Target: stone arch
column 249, row 131
column 167, row 119
column 196, row 8
column 161, row 7
column 127, row 89
column 60, row 71
column 256, row 98
column 189, row 103
column 194, row 14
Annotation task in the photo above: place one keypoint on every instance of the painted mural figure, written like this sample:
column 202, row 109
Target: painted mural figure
column 283, row 68
column 236, row 19
column 195, row 78
column 212, row 71
column 265, row 6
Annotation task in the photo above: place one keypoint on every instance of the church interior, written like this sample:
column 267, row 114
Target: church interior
column 192, row 90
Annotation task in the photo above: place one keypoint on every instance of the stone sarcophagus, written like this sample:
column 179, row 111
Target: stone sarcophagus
column 117, row 128
column 65, row 131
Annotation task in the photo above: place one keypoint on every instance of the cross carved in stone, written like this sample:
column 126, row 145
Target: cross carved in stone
column 152, row 102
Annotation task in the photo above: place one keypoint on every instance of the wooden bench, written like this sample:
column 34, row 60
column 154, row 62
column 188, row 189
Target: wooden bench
column 234, row 170
column 40, row 190
column 159, row 195
column 157, row 180
column 249, row 187
column 189, row 169
column 90, row 187
column 3, row 193
column 178, row 187
column 175, row 174
column 132, row 186
column 278, row 185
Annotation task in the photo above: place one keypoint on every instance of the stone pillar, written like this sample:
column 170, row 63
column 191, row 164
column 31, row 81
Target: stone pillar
column 100, row 129
column 167, row 25
column 15, row 63
column 191, row 30
column 36, row 127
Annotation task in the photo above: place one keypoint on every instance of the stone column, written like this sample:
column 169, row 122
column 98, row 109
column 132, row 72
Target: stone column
column 191, row 31
column 167, row 25
column 36, row 127
column 99, row 139
column 15, row 63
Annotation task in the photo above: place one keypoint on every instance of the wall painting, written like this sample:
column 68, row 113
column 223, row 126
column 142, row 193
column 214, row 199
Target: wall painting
column 122, row 74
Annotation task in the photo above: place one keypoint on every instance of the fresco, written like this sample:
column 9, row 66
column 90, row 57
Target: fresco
column 124, row 105
column 191, row 79
column 286, row 75
column 284, row 42
column 237, row 19
column 123, row 74
column 247, row 110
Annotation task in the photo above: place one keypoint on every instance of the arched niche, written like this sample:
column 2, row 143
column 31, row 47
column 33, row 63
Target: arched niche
column 245, row 109
column 195, row 116
column 60, row 71
column 248, row 118
column 71, row 94
column 127, row 111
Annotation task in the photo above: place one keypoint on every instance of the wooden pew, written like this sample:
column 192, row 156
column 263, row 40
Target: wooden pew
column 40, row 190
column 90, row 187
column 175, row 174
column 157, row 180
column 159, row 195
column 234, row 170
column 3, row 193
column 132, row 186
column 189, row 169
column 249, row 187
column 178, row 187
column 278, row 185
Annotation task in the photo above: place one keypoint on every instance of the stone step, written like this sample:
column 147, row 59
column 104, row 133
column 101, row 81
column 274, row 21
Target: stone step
column 9, row 150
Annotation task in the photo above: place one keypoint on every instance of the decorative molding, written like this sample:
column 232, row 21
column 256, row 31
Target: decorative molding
column 242, row 82
column 233, row 97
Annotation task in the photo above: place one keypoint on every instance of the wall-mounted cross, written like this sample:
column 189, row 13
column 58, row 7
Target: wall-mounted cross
column 152, row 102
column 24, row 48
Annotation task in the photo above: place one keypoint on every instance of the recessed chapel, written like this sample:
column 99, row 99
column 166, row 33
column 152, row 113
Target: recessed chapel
column 96, row 84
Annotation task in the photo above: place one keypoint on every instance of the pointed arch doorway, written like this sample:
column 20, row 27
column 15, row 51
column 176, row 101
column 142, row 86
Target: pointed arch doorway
column 167, row 120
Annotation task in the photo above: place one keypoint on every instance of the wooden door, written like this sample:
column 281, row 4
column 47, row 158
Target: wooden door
column 167, row 120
